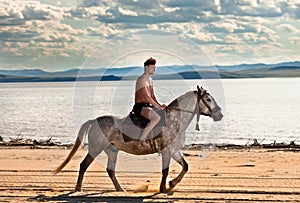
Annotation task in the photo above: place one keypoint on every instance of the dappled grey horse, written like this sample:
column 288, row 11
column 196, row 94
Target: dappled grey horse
column 104, row 134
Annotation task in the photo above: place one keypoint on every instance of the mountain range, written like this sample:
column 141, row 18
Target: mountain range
column 258, row 70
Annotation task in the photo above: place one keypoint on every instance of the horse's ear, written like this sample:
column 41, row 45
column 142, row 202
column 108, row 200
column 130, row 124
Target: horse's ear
column 200, row 90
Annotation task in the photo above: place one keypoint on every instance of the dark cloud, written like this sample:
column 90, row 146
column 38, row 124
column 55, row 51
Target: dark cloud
column 91, row 3
column 144, row 4
column 78, row 12
column 296, row 11
column 7, row 36
column 201, row 5
column 7, row 21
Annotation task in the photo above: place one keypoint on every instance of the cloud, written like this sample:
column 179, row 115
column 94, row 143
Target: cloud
column 204, row 5
column 295, row 40
column 30, row 10
column 127, row 12
column 258, row 8
column 146, row 12
column 34, row 32
column 225, row 27
column 288, row 28
column 59, row 34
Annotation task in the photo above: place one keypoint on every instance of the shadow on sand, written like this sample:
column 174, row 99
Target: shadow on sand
column 94, row 197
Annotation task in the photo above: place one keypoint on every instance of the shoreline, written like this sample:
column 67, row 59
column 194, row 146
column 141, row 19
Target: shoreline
column 33, row 143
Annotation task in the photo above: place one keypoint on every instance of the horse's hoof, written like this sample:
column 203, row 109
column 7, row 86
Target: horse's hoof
column 171, row 185
column 163, row 190
column 77, row 189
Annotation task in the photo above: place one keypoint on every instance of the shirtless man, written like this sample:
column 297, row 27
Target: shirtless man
column 145, row 99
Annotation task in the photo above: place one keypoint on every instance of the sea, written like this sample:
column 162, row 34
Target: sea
column 266, row 109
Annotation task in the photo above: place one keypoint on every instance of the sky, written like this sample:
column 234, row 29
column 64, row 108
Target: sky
column 56, row 35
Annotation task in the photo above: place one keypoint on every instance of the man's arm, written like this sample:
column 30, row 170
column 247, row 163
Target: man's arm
column 146, row 94
column 153, row 95
column 161, row 106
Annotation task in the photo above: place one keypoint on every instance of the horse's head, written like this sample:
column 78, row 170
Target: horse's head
column 207, row 105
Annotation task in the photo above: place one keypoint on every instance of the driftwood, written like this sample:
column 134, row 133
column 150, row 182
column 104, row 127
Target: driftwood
column 291, row 145
column 31, row 142
column 256, row 144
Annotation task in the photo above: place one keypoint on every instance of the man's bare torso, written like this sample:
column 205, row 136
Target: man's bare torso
column 143, row 89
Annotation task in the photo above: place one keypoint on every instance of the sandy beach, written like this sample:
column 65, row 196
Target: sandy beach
column 227, row 175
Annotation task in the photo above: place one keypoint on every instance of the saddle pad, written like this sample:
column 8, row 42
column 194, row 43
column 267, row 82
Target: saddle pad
column 132, row 126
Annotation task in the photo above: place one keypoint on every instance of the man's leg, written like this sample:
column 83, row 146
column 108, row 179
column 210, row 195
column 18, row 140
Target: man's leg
column 154, row 118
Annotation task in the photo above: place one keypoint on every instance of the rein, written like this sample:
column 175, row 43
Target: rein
column 192, row 112
column 199, row 97
column 179, row 109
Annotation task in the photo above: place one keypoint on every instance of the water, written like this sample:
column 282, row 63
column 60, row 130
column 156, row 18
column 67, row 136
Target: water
column 253, row 108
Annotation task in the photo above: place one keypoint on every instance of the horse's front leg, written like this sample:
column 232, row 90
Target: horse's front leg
column 179, row 158
column 165, row 170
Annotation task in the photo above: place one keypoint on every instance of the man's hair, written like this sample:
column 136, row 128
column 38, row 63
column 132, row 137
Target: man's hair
column 150, row 61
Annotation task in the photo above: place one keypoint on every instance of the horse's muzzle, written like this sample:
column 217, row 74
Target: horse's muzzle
column 217, row 115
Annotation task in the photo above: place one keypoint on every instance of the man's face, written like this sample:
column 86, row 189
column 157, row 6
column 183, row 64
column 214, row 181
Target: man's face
column 151, row 69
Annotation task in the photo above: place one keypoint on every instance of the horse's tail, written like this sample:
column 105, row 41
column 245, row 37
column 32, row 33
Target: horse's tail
column 81, row 136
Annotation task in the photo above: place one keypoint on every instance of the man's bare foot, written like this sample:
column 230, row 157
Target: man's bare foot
column 144, row 144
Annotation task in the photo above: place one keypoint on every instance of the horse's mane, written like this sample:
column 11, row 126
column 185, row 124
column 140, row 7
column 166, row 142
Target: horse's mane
column 176, row 101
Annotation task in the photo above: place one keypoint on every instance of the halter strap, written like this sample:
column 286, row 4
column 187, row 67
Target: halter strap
column 199, row 97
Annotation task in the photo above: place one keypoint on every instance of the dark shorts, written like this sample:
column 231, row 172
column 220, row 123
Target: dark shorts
column 137, row 108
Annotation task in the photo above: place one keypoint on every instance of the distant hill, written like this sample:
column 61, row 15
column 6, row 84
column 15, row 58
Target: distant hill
column 259, row 70
column 257, row 66
column 33, row 72
column 284, row 68
column 56, row 79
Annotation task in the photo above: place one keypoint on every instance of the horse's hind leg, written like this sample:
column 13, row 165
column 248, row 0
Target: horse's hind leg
column 96, row 144
column 83, row 167
column 112, row 154
column 165, row 170
column 178, row 157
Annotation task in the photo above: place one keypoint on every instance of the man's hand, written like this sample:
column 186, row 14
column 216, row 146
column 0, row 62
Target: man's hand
column 162, row 106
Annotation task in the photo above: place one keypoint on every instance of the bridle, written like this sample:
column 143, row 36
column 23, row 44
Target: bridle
column 214, row 110
column 196, row 110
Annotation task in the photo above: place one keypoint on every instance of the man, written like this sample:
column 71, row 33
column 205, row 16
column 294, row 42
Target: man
column 145, row 99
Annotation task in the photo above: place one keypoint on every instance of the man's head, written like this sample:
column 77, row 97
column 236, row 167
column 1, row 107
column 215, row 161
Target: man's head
column 149, row 65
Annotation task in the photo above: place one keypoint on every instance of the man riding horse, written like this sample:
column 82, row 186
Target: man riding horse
column 145, row 100
column 104, row 134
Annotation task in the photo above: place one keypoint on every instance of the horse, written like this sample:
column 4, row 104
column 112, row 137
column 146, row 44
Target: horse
column 105, row 135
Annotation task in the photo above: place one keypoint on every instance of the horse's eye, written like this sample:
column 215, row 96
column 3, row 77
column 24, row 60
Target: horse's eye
column 208, row 99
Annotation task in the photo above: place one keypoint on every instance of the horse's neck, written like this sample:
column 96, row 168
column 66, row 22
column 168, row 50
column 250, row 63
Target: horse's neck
column 186, row 101
column 185, row 105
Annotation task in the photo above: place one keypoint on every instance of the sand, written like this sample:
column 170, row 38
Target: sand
column 232, row 175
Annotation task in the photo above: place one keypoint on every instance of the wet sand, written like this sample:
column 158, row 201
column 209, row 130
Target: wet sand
column 232, row 175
